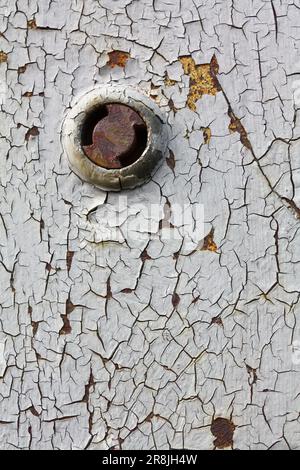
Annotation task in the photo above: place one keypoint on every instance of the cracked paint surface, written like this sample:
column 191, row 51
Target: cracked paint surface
column 134, row 344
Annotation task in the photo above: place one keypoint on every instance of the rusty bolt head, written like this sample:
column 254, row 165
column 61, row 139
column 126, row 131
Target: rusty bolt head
column 114, row 137
column 115, row 140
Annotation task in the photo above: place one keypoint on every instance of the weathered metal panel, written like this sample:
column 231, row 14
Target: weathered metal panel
column 130, row 339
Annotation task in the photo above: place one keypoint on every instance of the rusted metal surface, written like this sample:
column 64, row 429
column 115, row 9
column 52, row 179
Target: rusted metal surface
column 117, row 59
column 114, row 136
column 115, row 141
column 223, row 430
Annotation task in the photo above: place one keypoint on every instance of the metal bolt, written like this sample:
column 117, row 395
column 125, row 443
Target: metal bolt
column 116, row 139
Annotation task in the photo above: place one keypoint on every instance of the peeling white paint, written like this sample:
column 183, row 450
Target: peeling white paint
column 141, row 345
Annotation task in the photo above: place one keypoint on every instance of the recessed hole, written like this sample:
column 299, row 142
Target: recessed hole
column 92, row 118
column 132, row 155
column 145, row 144
column 119, row 140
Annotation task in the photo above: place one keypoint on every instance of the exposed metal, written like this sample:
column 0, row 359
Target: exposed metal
column 115, row 139
column 106, row 172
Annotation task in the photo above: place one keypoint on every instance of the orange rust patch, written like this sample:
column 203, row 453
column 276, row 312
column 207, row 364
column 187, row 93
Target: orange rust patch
column 3, row 57
column 206, row 134
column 31, row 24
column 223, row 430
column 203, row 79
column 118, row 59
column 208, row 243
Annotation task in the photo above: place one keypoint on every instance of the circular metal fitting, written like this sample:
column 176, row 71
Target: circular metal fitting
column 114, row 137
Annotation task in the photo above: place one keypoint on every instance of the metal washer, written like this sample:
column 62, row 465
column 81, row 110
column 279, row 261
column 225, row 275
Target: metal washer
column 127, row 177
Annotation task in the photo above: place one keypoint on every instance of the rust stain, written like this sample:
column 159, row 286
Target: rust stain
column 3, row 57
column 35, row 326
column 22, row 69
column 203, row 79
column 32, row 132
column 208, row 243
column 69, row 259
column 223, row 430
column 214, row 68
column 118, row 59
column 69, row 306
column 144, row 256
column 66, row 328
column 108, row 289
column 149, row 417
column 172, row 106
column 216, row 321
column 154, row 93
column 175, row 299
column 235, row 125
column 31, row 24
column 292, row 206
column 88, row 387
column 206, row 134
column 28, row 94
column 171, row 160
